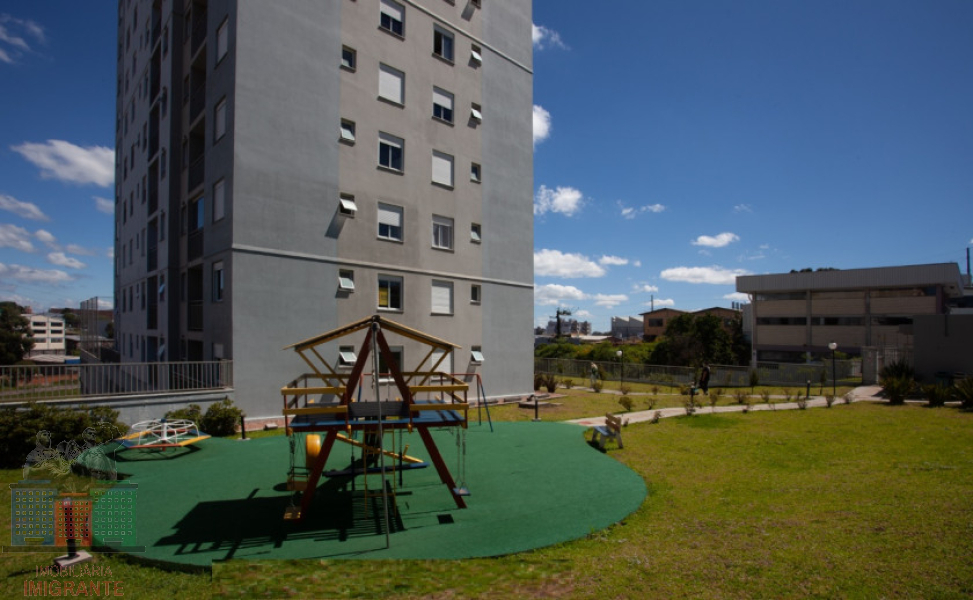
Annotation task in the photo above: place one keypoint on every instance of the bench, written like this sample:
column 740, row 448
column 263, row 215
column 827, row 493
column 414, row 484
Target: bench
column 612, row 429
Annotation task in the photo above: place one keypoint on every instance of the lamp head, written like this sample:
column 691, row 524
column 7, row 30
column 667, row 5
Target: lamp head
column 833, row 346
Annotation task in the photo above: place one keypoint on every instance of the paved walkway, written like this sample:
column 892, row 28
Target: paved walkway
column 859, row 394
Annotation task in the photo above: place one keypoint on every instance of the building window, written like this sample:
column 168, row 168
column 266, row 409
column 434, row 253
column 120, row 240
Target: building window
column 162, row 288
column 475, row 172
column 390, row 292
column 346, row 280
column 442, row 232
column 222, row 42
column 197, row 214
column 392, row 17
column 476, row 354
column 397, row 357
column 475, row 3
column 442, row 168
column 390, row 151
column 219, row 200
column 347, row 356
column 346, row 205
column 442, row 298
column 442, row 44
column 218, row 281
column 442, row 105
column 162, row 164
column 475, row 294
column 347, row 131
column 390, row 222
column 476, row 113
column 476, row 55
column 391, row 84
column 219, row 124
column 349, row 58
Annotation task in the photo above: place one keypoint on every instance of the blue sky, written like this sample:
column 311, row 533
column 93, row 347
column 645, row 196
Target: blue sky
column 677, row 145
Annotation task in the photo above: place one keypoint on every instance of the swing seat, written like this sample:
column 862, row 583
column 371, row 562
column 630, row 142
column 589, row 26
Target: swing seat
column 461, row 491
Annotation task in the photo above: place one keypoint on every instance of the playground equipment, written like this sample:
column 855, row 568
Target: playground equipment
column 308, row 412
column 162, row 433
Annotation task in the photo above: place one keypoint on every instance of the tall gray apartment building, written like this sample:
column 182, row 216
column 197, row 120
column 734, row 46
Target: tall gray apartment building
column 286, row 167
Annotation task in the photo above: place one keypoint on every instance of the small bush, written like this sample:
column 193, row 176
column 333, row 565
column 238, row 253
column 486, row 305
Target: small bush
column 650, row 403
column 550, row 383
column 802, row 402
column 19, row 428
column 690, row 406
column 829, row 400
column 597, row 385
column 754, row 380
column 897, row 370
column 714, row 399
column 937, row 394
column 765, row 396
column 221, row 418
column 656, row 416
column 897, row 388
column 568, row 383
column 193, row 413
column 538, row 381
column 740, row 396
column 964, row 392
column 625, row 389
column 626, row 403
column 655, row 390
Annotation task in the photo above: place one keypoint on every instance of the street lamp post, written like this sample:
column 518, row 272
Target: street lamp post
column 621, row 370
column 834, row 372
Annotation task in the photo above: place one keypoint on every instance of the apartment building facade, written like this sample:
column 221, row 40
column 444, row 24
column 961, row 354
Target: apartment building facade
column 793, row 314
column 287, row 167
column 48, row 333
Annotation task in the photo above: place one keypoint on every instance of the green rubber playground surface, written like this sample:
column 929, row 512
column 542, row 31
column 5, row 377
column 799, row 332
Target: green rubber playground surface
column 531, row 485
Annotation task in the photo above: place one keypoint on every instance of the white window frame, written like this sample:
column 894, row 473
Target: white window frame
column 444, row 101
column 346, row 205
column 476, row 355
column 219, row 120
column 476, row 55
column 391, row 84
column 347, row 131
column 387, row 282
column 442, row 168
column 476, row 172
column 352, row 63
column 387, row 140
column 346, row 280
column 396, row 15
column 393, row 218
column 222, row 39
column 476, row 112
column 441, row 297
column 476, row 294
column 219, row 200
column 442, row 232
column 443, row 43
column 347, row 356
column 476, row 233
column 219, row 281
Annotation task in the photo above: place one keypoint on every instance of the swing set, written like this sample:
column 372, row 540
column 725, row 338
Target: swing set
column 327, row 406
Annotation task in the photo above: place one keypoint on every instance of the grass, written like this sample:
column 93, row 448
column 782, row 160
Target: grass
column 859, row 501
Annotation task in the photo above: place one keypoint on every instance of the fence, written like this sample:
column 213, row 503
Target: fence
column 24, row 383
column 848, row 372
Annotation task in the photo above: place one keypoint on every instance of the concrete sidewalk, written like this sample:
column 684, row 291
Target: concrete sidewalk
column 859, row 394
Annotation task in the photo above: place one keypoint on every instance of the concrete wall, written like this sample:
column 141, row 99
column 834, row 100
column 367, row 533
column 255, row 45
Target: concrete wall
column 943, row 343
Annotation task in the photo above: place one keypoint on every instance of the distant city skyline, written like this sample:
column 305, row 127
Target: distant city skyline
column 715, row 140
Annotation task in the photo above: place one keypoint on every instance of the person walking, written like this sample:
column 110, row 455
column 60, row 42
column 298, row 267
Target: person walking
column 594, row 374
column 704, row 379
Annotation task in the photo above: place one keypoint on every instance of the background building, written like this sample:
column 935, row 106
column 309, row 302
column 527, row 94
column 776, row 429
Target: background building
column 792, row 314
column 285, row 168
column 623, row 328
column 48, row 333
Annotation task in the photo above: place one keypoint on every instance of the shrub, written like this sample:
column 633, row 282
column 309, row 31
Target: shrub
column 655, row 390
column 656, row 416
column 897, row 388
column 754, row 380
column 740, row 395
column 714, row 399
column 626, row 403
column 597, row 385
column 897, row 370
column 937, row 394
column 19, row 428
column 829, row 400
column 190, row 413
column 221, row 418
column 964, row 392
column 550, row 383
column 568, row 383
column 690, row 405
column 625, row 389
column 650, row 403
column 538, row 381
column 802, row 402
column 765, row 396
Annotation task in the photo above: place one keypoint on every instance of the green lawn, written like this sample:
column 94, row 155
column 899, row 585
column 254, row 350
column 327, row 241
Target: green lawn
column 859, row 501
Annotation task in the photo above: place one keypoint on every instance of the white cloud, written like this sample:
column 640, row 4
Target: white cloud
column 542, row 124
column 15, row 237
column 47, row 237
column 110, row 252
column 644, row 288
column 737, row 297
column 637, row 263
column 714, row 275
column 719, row 241
column 660, row 302
column 554, row 294
column 582, row 314
column 62, row 160
column 104, row 205
column 564, row 200
column 27, row 210
column 609, row 300
column 80, row 250
column 743, row 208
column 546, row 38
column 12, row 42
column 554, row 263
column 62, row 260
column 31, row 275
column 617, row 261
column 629, row 212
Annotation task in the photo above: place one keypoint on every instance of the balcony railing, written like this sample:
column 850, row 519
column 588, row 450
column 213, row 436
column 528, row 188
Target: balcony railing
column 55, row 382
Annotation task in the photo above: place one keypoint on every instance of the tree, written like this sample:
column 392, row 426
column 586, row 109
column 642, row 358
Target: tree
column 695, row 340
column 15, row 334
